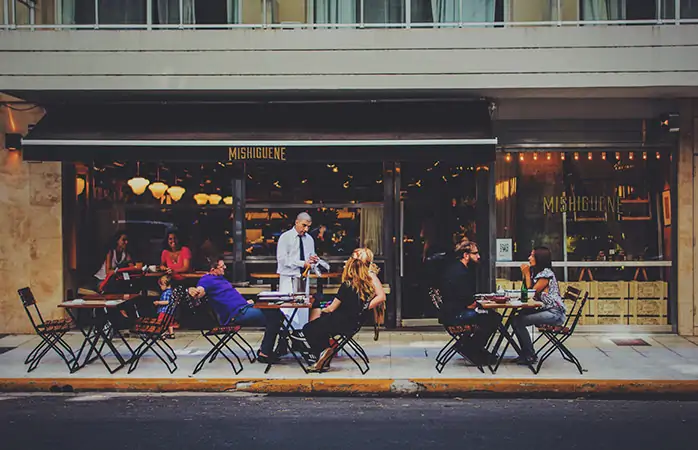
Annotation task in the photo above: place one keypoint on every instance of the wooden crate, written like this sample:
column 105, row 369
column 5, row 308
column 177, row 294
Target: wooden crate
column 610, row 320
column 609, row 289
column 649, row 289
column 648, row 320
column 611, row 307
column 647, row 307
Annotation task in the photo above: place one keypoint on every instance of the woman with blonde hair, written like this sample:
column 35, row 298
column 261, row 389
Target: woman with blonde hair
column 360, row 291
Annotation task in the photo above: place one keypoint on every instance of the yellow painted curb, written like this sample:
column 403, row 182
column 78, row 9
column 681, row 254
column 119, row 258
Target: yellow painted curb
column 356, row 387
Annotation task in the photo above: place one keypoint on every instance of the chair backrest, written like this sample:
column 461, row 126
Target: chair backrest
column 436, row 298
column 28, row 300
column 576, row 313
column 572, row 294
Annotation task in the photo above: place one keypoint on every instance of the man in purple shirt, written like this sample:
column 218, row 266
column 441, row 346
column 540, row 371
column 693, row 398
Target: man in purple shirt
column 229, row 305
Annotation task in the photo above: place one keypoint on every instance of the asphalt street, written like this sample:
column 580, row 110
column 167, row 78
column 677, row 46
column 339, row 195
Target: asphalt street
column 199, row 421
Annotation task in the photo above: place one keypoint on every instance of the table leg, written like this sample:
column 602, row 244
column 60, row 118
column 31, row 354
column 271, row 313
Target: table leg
column 284, row 333
column 504, row 334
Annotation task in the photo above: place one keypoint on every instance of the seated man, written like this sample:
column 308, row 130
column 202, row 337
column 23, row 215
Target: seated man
column 458, row 294
column 229, row 305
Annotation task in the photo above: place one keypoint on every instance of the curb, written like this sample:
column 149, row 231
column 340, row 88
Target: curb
column 418, row 387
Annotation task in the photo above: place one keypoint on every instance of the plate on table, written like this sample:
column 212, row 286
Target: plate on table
column 111, row 302
column 515, row 303
column 78, row 301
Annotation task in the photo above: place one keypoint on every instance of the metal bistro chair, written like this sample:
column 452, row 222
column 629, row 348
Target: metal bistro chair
column 457, row 333
column 219, row 336
column 556, row 335
column 51, row 333
column 345, row 342
column 151, row 331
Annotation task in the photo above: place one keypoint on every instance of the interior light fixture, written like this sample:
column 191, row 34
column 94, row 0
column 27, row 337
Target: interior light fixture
column 548, row 156
column 521, row 156
column 631, row 155
column 508, row 157
column 644, row 155
column 658, row 155
column 158, row 188
column 138, row 183
column 79, row 185
column 603, row 156
column 589, row 156
column 176, row 192
column 228, row 200
column 201, row 198
column 535, row 156
column 562, row 156
column 214, row 199
column 576, row 156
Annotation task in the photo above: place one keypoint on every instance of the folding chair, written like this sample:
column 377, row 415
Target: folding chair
column 219, row 336
column 151, row 331
column 556, row 335
column 457, row 333
column 51, row 333
column 345, row 342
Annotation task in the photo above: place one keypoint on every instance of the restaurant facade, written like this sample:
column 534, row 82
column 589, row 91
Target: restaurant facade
column 405, row 138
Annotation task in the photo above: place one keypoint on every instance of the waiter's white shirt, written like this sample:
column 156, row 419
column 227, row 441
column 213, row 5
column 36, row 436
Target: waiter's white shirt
column 288, row 253
column 289, row 266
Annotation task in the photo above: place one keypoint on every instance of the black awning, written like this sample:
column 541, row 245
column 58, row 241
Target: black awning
column 261, row 131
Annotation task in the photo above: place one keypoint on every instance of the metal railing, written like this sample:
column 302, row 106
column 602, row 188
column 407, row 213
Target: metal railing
column 29, row 15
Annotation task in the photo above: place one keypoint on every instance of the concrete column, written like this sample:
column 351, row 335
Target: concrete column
column 687, row 258
column 31, row 249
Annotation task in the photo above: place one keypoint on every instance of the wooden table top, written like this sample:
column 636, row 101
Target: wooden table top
column 273, row 276
column 525, row 305
column 265, row 305
column 92, row 304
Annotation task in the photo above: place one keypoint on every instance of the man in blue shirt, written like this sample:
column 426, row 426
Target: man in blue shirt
column 229, row 305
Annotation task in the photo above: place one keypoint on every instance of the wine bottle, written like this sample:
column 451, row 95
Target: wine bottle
column 524, row 291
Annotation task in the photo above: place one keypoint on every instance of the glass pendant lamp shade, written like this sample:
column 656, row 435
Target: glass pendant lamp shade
column 214, row 199
column 201, row 198
column 158, row 189
column 228, row 200
column 176, row 192
column 138, row 185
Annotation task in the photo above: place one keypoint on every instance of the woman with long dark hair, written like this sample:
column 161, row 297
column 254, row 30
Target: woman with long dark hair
column 175, row 257
column 117, row 257
column 540, row 278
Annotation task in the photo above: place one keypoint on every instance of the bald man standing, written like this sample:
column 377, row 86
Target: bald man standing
column 294, row 253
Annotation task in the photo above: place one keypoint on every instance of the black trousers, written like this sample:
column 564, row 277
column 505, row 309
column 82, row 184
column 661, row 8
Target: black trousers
column 319, row 331
column 487, row 325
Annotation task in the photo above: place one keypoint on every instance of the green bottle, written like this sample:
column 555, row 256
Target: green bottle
column 524, row 291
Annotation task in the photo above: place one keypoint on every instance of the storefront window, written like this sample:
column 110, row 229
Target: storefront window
column 606, row 217
column 344, row 200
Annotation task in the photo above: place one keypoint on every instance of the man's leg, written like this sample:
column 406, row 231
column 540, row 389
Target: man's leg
column 250, row 316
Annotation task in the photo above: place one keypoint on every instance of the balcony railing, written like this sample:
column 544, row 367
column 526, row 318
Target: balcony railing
column 335, row 14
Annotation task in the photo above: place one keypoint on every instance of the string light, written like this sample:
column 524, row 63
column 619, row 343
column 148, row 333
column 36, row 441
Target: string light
column 618, row 156
column 521, row 157
column 603, row 156
column 508, row 157
column 631, row 155
column 644, row 155
column 535, row 156
column 576, row 156
column 548, row 156
column 589, row 157
column 658, row 155
column 562, row 156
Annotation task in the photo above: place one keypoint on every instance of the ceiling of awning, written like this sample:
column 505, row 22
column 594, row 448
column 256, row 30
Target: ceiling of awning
column 200, row 131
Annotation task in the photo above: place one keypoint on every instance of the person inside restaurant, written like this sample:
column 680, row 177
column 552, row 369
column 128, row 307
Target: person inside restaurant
column 230, row 306
column 458, row 295
column 360, row 291
column 117, row 257
column 538, row 275
column 175, row 257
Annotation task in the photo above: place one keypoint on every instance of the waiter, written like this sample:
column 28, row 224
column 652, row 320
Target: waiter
column 295, row 252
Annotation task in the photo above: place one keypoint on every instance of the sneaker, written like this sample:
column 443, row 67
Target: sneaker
column 526, row 360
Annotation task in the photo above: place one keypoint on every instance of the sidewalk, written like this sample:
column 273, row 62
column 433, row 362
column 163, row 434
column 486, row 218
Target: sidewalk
column 402, row 363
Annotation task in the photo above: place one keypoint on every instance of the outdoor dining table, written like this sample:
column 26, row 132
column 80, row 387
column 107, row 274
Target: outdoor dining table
column 286, row 327
column 97, row 328
column 510, row 310
column 274, row 279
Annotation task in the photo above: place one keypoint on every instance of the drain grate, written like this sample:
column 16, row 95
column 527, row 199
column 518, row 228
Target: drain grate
column 6, row 349
column 631, row 342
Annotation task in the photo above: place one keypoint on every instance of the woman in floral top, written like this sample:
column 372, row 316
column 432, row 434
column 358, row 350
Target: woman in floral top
column 539, row 277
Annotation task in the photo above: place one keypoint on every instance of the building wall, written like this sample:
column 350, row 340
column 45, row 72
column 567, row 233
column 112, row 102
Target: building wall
column 475, row 59
column 31, row 244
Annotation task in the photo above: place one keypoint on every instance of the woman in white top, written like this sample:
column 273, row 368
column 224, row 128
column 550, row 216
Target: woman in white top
column 539, row 277
column 117, row 257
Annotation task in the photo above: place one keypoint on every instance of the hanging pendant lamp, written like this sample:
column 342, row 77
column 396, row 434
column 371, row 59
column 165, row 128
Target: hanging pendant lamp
column 138, row 183
column 158, row 188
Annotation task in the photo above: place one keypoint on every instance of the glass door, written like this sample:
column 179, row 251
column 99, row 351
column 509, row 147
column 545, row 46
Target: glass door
column 436, row 210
